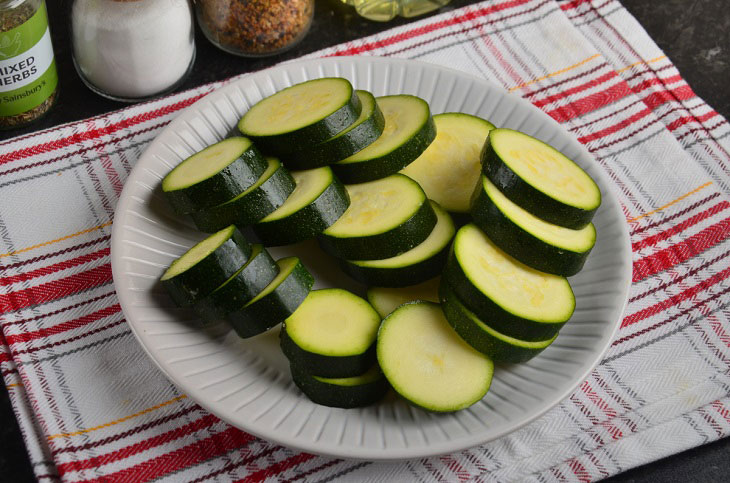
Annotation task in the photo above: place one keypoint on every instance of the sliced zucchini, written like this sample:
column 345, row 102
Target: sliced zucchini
column 409, row 129
column 540, row 179
column 277, row 301
column 424, row 261
column 302, row 115
column 268, row 193
column 332, row 334
column 385, row 218
column 427, row 363
column 363, row 132
column 205, row 266
column 541, row 245
column 318, row 200
column 450, row 167
column 517, row 300
column 345, row 392
column 385, row 300
column 241, row 287
column 213, row 176
column 499, row 347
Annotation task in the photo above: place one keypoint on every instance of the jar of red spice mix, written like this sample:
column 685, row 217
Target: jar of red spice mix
column 255, row 28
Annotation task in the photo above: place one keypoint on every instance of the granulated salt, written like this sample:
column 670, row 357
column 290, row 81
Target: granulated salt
column 132, row 49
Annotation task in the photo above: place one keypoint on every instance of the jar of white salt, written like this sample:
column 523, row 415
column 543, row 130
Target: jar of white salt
column 130, row 50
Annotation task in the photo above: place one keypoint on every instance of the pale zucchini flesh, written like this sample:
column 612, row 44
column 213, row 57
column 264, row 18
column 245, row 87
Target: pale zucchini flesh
column 296, row 107
column 531, row 240
column 450, row 167
column 439, row 238
column 546, row 168
column 333, row 322
column 426, row 361
column 205, row 266
column 363, row 132
column 479, row 334
column 512, row 285
column 578, row 241
column 377, row 206
column 404, row 115
column 205, row 164
column 387, row 299
column 422, row 262
column 197, row 253
column 409, row 130
column 309, row 185
column 385, row 218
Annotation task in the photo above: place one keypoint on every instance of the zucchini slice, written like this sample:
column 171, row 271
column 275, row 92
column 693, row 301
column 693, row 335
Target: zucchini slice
column 345, row 392
column 277, row 301
column 214, row 175
column 332, row 334
column 241, row 287
column 541, row 245
column 205, row 266
column 302, row 115
column 268, row 193
column 386, row 218
column 386, row 299
column 409, row 129
column 420, row 263
column 482, row 337
column 363, row 132
column 450, row 167
column 426, row 361
column 540, row 179
column 318, row 200
column 517, row 300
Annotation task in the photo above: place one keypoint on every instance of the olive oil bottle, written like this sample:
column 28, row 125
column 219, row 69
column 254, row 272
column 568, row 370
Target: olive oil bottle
column 384, row 10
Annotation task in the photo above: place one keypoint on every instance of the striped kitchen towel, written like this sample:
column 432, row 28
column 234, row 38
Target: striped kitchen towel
column 92, row 406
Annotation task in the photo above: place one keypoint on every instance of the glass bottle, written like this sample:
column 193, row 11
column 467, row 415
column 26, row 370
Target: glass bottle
column 254, row 28
column 384, row 10
column 28, row 77
column 130, row 50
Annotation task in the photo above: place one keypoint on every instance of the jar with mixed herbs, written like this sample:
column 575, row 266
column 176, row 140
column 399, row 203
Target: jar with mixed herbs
column 255, row 28
column 28, row 78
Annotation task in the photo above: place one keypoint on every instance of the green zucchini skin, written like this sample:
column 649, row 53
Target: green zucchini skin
column 228, row 183
column 529, row 197
column 210, row 272
column 390, row 163
column 501, row 319
column 326, row 366
column 397, row 277
column 383, row 245
column 337, row 396
column 467, row 325
column 486, row 309
column 520, row 244
column 420, row 267
column 308, row 221
column 243, row 286
column 311, row 135
column 249, row 207
column 341, row 146
column 273, row 308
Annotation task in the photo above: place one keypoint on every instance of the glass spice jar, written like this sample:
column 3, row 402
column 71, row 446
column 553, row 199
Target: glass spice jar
column 255, row 28
column 131, row 50
column 28, row 77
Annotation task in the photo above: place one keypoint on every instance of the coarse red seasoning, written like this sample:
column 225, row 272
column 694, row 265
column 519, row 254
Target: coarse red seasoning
column 255, row 27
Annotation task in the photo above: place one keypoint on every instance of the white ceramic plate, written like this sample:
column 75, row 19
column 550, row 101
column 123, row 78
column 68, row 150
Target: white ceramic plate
column 247, row 382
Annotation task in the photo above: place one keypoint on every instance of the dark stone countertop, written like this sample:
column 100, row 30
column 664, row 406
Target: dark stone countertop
column 694, row 34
